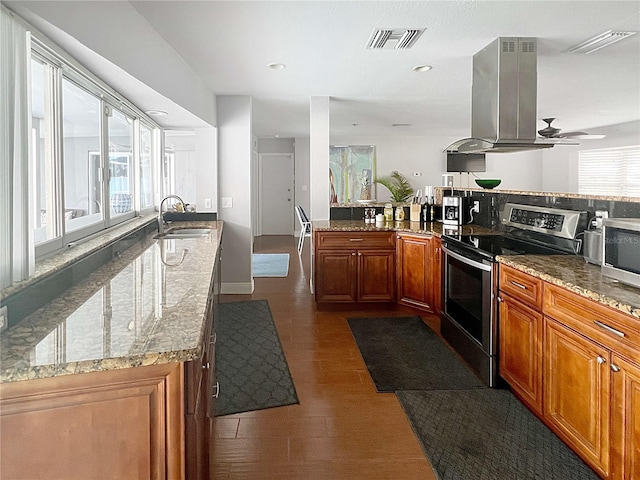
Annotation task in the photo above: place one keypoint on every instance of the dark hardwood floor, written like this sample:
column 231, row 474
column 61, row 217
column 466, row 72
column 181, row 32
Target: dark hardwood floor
column 342, row 428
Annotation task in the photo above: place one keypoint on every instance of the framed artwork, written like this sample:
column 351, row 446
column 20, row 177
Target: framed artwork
column 352, row 169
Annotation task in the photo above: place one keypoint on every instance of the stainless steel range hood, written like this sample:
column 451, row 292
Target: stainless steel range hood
column 504, row 97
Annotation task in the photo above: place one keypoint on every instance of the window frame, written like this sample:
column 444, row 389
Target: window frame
column 64, row 68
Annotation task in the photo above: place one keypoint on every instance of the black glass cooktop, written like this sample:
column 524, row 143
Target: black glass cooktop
column 492, row 245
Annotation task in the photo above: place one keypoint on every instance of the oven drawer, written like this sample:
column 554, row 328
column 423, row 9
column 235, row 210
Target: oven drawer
column 610, row 328
column 522, row 286
column 356, row 240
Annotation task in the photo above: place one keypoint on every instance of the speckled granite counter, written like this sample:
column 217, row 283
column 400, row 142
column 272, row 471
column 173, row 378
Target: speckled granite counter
column 80, row 249
column 145, row 307
column 574, row 274
column 434, row 228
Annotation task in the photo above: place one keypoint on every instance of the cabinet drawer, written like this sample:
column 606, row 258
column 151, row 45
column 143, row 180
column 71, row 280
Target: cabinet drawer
column 610, row 328
column 521, row 286
column 355, row 239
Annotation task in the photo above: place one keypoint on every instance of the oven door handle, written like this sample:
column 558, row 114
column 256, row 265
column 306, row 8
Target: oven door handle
column 468, row 261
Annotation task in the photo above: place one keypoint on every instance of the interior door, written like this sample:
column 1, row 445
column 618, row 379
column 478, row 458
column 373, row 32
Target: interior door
column 276, row 194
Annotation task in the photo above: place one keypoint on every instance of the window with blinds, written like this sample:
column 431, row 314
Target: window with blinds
column 610, row 171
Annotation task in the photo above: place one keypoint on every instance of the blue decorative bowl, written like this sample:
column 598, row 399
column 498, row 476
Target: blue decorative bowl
column 486, row 183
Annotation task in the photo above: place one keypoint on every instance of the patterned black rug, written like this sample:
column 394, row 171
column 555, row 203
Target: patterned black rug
column 402, row 353
column 487, row 434
column 250, row 364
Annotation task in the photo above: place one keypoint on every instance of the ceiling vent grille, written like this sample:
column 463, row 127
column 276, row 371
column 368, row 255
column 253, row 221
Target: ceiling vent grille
column 397, row 38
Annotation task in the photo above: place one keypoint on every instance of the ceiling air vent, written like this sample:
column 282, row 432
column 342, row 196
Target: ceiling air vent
column 397, row 38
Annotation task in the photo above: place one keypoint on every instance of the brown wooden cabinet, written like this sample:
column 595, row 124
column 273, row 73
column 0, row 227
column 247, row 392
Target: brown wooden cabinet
column 598, row 412
column 419, row 267
column 354, row 267
column 576, row 393
column 625, row 419
column 125, row 423
column 415, row 264
column 574, row 362
column 521, row 350
column 520, row 339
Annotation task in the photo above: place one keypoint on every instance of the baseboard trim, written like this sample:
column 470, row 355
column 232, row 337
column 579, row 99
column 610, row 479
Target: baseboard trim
column 237, row 288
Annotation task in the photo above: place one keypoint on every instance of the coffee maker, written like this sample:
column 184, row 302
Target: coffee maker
column 453, row 211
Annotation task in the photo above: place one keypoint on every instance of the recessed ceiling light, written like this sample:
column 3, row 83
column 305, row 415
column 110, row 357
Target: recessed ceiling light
column 156, row 113
column 277, row 66
column 422, row 68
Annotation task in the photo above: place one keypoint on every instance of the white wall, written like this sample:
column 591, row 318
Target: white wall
column 235, row 173
column 131, row 44
column 207, row 168
column 425, row 155
column 303, row 186
column 275, row 145
column 319, row 158
column 560, row 163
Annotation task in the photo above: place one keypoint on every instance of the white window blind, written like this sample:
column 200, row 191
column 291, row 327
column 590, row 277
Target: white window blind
column 610, row 171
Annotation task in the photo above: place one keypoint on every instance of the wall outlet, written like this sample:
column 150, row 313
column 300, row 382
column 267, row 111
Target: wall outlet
column 4, row 318
column 476, row 206
column 207, row 203
column 227, row 202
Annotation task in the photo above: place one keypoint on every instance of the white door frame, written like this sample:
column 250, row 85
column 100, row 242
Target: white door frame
column 261, row 157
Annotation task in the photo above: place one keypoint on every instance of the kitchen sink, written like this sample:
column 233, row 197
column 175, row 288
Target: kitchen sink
column 178, row 233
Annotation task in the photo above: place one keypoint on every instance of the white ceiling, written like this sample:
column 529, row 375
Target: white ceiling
column 230, row 43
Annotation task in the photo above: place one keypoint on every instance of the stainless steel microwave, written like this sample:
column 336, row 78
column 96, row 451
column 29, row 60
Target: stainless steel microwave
column 621, row 249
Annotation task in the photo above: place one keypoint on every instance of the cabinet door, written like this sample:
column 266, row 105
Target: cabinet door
column 576, row 392
column 436, row 275
column 414, row 271
column 521, row 350
column 376, row 276
column 335, row 275
column 625, row 448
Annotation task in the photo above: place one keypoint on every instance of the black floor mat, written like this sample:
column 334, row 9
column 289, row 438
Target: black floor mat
column 402, row 353
column 250, row 364
column 487, row 434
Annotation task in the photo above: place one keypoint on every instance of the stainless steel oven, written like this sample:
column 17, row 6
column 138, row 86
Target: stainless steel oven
column 470, row 276
column 469, row 309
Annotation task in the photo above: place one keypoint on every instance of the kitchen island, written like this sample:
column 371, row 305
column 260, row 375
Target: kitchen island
column 113, row 378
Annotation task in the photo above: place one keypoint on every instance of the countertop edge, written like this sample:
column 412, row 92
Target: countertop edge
column 16, row 373
column 512, row 261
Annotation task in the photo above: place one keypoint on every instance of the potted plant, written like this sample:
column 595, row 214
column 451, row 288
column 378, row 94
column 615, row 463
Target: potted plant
column 398, row 186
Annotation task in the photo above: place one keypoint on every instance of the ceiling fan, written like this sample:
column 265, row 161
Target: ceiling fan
column 552, row 132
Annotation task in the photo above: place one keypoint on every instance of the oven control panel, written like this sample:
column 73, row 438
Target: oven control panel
column 552, row 221
column 549, row 221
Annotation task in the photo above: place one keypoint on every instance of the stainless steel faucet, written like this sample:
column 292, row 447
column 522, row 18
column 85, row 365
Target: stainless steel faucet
column 160, row 219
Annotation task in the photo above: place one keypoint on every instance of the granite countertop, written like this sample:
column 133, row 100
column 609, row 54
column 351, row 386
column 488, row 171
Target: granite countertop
column 574, row 274
column 144, row 307
column 432, row 228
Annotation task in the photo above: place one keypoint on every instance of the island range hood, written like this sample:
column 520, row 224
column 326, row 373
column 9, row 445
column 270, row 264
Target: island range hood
column 504, row 97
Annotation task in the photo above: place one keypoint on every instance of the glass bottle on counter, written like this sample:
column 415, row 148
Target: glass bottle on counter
column 399, row 213
column 388, row 212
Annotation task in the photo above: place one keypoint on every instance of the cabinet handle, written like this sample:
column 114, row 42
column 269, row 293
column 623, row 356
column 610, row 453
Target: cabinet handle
column 214, row 337
column 614, row 367
column 353, row 254
column 499, row 299
column 600, row 360
column 519, row 285
column 609, row 329
column 217, row 388
column 205, row 366
column 356, row 239
column 359, row 254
